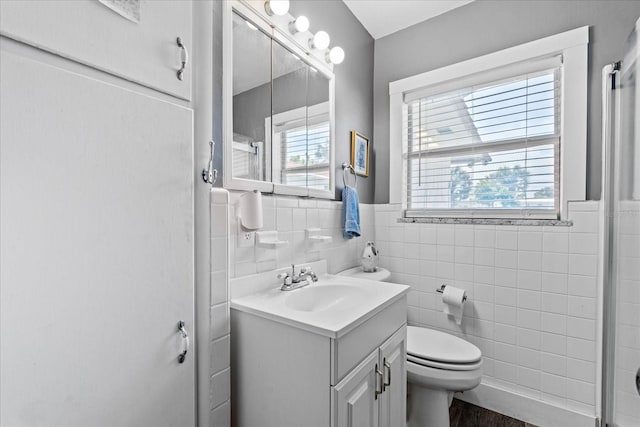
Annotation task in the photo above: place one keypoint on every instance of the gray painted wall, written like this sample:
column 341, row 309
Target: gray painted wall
column 354, row 80
column 483, row 27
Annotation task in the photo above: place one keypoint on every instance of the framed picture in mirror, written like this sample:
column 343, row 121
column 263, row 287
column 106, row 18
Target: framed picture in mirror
column 360, row 153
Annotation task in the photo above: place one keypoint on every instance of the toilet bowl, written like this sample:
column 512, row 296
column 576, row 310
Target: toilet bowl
column 438, row 364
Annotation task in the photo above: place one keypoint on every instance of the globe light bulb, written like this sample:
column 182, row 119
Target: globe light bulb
column 320, row 41
column 335, row 55
column 300, row 25
column 276, row 7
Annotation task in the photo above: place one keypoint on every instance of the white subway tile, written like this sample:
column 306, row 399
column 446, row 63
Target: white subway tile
column 483, row 310
column 529, row 280
column 554, row 384
column 529, row 299
column 483, row 292
column 219, row 353
column 483, row 256
column 586, row 265
column 483, row 274
column 529, row 377
column 464, row 272
column 484, row 237
column 554, row 303
column 529, row 319
column 581, row 328
column 554, row 323
column 530, row 241
column 581, row 370
column 219, row 288
column 428, row 235
column 444, row 270
column 412, row 233
column 554, row 364
column 507, row 315
column 529, row 358
column 445, row 235
column 505, row 371
column 411, row 250
column 582, row 307
column 583, row 243
column 284, row 219
column 555, row 242
column 445, row 253
column 299, row 219
column 505, row 352
column 428, row 252
column 506, row 258
column 529, row 338
column 506, row 296
column 584, row 222
column 528, row 260
column 506, row 277
column 581, row 349
column 505, row 333
column 581, row 391
column 554, row 282
column 463, row 235
column 221, row 416
column 464, row 254
column 218, row 321
column 554, row 343
column 507, row 239
column 220, row 388
column 555, row 262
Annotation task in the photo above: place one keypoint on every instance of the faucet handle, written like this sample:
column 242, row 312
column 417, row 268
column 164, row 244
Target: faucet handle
column 282, row 275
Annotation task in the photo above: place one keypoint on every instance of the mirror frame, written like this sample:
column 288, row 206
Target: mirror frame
column 261, row 20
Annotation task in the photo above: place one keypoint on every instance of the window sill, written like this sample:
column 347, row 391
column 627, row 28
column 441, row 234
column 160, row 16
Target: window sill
column 488, row 221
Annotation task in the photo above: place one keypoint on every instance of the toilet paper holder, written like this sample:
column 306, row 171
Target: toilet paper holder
column 441, row 290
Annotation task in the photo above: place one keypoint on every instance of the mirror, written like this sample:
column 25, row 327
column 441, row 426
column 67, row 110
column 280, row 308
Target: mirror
column 280, row 136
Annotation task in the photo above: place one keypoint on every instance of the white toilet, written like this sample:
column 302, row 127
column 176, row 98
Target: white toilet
column 438, row 364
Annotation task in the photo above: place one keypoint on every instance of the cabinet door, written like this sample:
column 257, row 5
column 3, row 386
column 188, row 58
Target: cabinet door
column 354, row 400
column 393, row 362
column 96, row 255
column 89, row 32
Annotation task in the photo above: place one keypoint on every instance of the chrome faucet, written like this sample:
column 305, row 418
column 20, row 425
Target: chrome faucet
column 293, row 281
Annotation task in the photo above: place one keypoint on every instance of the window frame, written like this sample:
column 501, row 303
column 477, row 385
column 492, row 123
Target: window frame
column 573, row 47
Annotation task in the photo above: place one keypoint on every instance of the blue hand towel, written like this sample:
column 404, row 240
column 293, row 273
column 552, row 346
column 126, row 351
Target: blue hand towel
column 350, row 212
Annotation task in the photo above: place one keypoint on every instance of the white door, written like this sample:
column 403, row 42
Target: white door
column 393, row 400
column 354, row 399
column 88, row 31
column 96, row 255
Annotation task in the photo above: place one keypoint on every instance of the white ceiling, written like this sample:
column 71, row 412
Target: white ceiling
column 383, row 17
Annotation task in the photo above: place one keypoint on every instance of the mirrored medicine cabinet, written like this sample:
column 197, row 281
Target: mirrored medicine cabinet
column 279, row 110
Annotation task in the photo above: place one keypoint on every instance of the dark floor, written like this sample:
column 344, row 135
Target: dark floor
column 463, row 414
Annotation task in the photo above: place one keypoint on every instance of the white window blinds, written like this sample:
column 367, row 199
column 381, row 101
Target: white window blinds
column 305, row 155
column 488, row 148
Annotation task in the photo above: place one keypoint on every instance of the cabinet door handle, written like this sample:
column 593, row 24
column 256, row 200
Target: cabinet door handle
column 185, row 342
column 379, row 374
column 387, row 368
column 184, row 57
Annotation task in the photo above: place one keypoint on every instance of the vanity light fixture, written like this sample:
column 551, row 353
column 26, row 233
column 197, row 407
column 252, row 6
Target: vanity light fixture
column 320, row 40
column 335, row 55
column 276, row 7
column 299, row 25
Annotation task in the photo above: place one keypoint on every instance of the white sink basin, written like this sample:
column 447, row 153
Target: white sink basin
column 328, row 297
column 332, row 306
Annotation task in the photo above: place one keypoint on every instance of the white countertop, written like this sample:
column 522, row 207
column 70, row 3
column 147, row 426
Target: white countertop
column 345, row 303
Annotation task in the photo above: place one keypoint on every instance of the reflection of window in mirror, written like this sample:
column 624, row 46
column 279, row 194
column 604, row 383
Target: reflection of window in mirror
column 301, row 139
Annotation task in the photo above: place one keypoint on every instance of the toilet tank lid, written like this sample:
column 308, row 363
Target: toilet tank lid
column 430, row 344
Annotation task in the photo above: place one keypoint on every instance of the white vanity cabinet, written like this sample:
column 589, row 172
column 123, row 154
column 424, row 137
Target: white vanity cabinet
column 292, row 375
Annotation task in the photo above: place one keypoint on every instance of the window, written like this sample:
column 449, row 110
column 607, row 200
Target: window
column 491, row 146
column 487, row 138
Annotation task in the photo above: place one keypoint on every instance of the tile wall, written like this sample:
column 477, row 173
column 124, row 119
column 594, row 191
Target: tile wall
column 627, row 345
column 532, row 291
column 219, row 349
column 290, row 216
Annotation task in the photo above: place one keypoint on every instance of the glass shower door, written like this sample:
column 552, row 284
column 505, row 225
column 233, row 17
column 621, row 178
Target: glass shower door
column 621, row 399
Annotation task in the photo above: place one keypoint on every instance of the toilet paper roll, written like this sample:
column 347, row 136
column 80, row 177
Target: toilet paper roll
column 250, row 211
column 454, row 299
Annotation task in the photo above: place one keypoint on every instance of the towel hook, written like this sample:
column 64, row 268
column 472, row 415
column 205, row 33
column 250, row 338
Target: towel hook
column 346, row 166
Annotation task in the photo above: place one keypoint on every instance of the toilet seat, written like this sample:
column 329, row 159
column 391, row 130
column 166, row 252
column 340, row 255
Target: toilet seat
column 435, row 349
